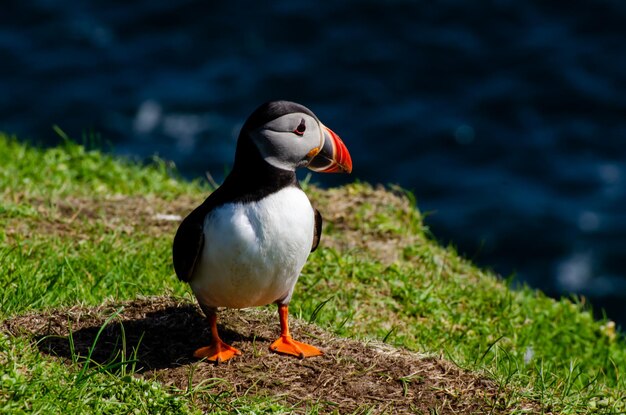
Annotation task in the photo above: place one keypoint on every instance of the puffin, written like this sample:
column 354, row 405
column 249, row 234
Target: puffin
column 247, row 243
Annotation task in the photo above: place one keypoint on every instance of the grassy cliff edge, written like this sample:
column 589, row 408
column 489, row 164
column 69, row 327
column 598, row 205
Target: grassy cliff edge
column 79, row 228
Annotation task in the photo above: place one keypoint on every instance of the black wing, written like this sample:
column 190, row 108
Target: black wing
column 317, row 231
column 188, row 244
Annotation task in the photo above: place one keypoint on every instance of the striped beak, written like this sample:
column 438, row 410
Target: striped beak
column 332, row 156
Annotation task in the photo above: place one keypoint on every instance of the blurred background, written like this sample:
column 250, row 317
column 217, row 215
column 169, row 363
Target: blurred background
column 507, row 119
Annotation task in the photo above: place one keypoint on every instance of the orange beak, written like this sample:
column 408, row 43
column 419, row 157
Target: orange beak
column 332, row 156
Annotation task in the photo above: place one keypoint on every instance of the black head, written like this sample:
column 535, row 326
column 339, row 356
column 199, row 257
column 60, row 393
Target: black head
column 271, row 110
column 287, row 136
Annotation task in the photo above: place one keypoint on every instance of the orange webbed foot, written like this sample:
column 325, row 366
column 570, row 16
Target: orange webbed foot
column 287, row 345
column 217, row 352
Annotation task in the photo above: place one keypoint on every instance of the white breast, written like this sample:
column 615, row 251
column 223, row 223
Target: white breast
column 254, row 252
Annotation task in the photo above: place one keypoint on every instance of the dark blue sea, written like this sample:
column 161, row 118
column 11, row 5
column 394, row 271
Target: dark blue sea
column 507, row 119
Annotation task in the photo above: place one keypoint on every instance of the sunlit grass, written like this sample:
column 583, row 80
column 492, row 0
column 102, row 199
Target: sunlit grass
column 415, row 294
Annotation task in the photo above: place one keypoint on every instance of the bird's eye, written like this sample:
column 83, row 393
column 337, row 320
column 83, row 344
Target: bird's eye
column 300, row 129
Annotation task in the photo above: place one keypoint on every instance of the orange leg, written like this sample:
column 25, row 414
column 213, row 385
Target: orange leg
column 285, row 344
column 217, row 351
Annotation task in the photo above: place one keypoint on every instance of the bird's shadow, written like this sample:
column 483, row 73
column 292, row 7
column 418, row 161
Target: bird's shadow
column 161, row 339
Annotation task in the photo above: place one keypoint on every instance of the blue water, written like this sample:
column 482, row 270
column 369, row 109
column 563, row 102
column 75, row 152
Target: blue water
column 506, row 119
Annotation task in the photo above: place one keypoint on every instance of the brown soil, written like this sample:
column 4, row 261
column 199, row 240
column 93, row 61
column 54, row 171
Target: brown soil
column 74, row 217
column 345, row 212
column 351, row 377
column 351, row 214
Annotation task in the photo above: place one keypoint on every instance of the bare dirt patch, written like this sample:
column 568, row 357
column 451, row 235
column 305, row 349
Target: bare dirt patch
column 350, row 218
column 373, row 220
column 79, row 217
column 351, row 376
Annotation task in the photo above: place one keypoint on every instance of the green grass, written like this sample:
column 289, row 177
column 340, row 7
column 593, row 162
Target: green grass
column 32, row 384
column 427, row 299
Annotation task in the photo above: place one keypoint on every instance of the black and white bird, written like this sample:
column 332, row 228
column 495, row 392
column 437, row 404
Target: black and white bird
column 246, row 244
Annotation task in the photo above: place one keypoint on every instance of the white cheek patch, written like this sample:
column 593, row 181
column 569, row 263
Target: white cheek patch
column 276, row 162
column 281, row 147
column 275, row 154
column 282, row 150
